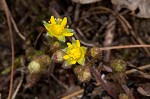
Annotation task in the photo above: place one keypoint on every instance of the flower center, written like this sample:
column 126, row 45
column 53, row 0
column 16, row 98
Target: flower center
column 75, row 53
column 57, row 29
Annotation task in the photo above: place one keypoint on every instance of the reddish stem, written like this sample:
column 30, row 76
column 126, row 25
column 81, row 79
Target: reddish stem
column 127, row 91
column 106, row 87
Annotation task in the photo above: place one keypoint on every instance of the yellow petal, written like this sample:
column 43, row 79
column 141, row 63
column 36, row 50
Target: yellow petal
column 69, row 44
column 67, row 34
column 70, row 62
column 52, row 20
column 66, row 57
column 64, row 22
column 78, row 43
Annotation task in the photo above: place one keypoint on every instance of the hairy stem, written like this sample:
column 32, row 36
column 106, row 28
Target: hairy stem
column 106, row 87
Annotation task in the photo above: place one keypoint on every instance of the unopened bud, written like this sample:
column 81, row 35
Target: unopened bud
column 118, row 65
column 55, row 46
column 58, row 56
column 78, row 69
column 39, row 64
column 36, row 68
column 123, row 96
column 32, row 79
column 95, row 51
column 83, row 73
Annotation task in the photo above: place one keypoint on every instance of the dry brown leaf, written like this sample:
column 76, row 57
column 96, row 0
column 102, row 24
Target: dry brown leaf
column 144, row 89
column 85, row 1
column 142, row 5
column 129, row 4
column 144, row 8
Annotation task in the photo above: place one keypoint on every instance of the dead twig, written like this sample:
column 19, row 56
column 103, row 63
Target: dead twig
column 127, row 91
column 76, row 13
column 12, row 46
column 125, row 24
column 38, row 38
column 16, row 28
column 55, row 13
column 140, row 68
column 109, row 38
column 123, row 47
column 59, row 82
column 80, row 33
column 130, row 30
column 83, row 42
column 14, row 23
column 73, row 94
column 104, row 25
column 18, row 87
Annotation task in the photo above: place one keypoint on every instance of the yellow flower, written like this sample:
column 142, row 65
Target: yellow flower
column 57, row 28
column 74, row 53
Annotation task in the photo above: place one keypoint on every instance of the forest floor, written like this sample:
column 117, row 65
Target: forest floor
column 96, row 24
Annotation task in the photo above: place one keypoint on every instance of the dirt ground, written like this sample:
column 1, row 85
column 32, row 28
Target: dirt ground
column 96, row 24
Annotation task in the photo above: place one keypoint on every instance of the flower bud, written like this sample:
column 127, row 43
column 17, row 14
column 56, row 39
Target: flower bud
column 83, row 73
column 55, row 46
column 78, row 69
column 123, row 96
column 58, row 56
column 36, row 68
column 118, row 65
column 32, row 79
column 39, row 64
column 95, row 51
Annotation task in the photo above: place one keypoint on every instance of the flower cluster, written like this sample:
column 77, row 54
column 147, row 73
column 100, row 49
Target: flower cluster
column 74, row 53
column 57, row 28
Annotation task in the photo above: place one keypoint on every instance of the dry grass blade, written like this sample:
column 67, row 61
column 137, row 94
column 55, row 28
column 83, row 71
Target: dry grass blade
column 123, row 47
column 12, row 46
column 140, row 68
column 85, row 1
column 109, row 37
column 59, row 82
column 73, row 94
column 125, row 24
column 14, row 23
column 16, row 28
column 129, row 29
column 18, row 87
